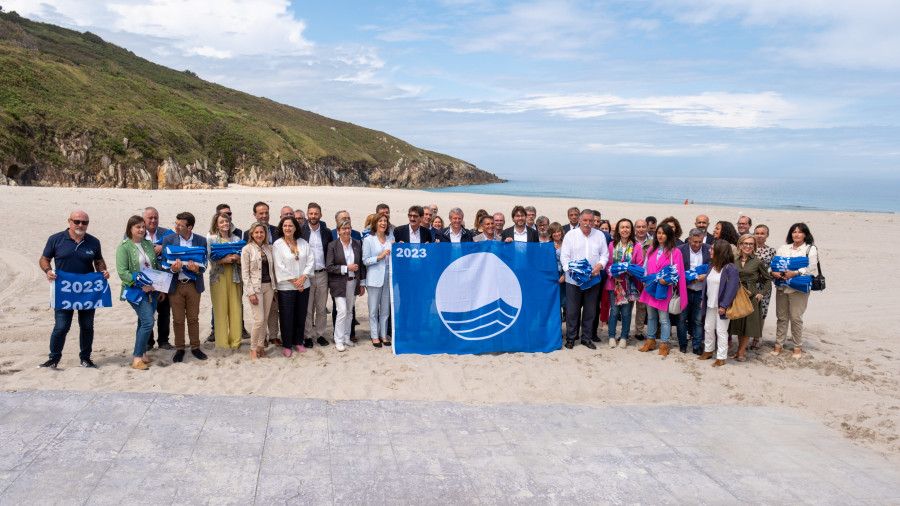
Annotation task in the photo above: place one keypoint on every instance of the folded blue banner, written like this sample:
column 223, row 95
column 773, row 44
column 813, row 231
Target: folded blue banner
column 477, row 297
column 80, row 291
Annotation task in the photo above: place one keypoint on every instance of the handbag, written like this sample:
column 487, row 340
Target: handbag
column 675, row 301
column 818, row 281
column 741, row 305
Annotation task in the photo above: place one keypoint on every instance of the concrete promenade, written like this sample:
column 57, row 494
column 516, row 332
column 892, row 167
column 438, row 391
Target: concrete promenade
column 60, row 447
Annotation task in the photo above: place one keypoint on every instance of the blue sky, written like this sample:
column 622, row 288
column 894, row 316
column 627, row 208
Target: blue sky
column 742, row 88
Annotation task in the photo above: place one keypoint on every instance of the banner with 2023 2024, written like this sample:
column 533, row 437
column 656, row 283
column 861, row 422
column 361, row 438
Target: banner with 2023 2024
column 483, row 297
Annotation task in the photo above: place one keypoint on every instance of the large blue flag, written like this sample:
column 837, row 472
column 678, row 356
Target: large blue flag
column 475, row 297
column 80, row 291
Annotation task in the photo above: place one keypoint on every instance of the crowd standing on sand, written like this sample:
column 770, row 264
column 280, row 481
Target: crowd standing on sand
column 715, row 288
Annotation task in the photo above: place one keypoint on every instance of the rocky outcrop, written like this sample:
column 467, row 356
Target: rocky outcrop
column 88, row 166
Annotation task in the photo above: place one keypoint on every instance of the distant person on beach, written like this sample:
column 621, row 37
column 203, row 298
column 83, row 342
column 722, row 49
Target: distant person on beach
column 134, row 254
column 572, row 214
column 790, row 304
column 295, row 266
column 414, row 232
column 74, row 251
column 530, row 216
column 581, row 305
column 701, row 222
column 663, row 253
column 455, row 232
column 743, row 225
column 751, row 270
column 719, row 291
column 258, row 279
column 184, row 293
column 694, row 253
column 163, row 313
column 622, row 290
column 765, row 253
column 317, row 236
column 487, row 225
column 519, row 232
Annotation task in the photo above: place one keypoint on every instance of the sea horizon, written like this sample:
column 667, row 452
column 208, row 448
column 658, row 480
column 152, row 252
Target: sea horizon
column 803, row 194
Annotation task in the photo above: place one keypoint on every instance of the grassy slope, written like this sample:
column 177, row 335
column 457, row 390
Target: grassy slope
column 75, row 82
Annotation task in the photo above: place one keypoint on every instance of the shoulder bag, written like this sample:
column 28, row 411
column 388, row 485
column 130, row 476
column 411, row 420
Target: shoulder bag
column 675, row 301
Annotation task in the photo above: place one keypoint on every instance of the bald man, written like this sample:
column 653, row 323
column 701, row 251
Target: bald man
column 701, row 222
column 74, row 251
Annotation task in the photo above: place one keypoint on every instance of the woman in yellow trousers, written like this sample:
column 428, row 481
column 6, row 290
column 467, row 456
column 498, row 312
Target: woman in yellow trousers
column 225, row 285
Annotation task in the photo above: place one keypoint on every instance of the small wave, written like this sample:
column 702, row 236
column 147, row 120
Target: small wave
column 486, row 321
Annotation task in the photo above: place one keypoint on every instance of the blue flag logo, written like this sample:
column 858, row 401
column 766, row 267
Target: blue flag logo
column 475, row 298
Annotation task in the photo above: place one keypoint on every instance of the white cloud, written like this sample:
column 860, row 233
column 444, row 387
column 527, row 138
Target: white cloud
column 639, row 148
column 720, row 110
column 857, row 34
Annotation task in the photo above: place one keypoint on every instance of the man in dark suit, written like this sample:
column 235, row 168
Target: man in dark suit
column 455, row 232
column 261, row 215
column 164, row 320
column 519, row 232
column 701, row 222
column 413, row 233
column 572, row 214
column 184, row 292
column 694, row 252
column 318, row 236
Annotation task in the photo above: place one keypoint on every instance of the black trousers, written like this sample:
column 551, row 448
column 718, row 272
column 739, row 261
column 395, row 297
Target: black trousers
column 163, row 323
column 581, row 311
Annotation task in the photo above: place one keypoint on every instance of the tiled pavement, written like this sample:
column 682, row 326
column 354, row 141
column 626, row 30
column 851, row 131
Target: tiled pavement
column 108, row 448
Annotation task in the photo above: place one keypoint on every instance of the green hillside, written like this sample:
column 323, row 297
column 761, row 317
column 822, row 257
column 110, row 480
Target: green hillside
column 69, row 101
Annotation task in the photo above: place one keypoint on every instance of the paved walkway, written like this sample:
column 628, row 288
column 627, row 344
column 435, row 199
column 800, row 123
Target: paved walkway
column 109, row 448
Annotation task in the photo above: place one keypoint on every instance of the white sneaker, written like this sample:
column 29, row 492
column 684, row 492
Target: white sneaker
column 612, row 342
column 623, row 343
column 339, row 346
column 349, row 344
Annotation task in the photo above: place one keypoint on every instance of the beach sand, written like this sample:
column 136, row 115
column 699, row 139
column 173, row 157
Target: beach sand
column 848, row 378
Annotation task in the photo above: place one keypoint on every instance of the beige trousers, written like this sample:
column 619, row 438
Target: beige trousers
column 262, row 314
column 789, row 307
column 315, row 314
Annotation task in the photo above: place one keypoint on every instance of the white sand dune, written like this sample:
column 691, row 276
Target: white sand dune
column 848, row 379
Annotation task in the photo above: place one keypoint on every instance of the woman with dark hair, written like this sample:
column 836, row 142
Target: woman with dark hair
column 622, row 290
column 294, row 264
column 556, row 235
column 437, row 224
column 765, row 253
column 790, row 304
column 719, row 290
column 676, row 228
column 478, row 216
column 662, row 253
column 133, row 254
column 750, row 270
column 725, row 230
column 258, row 277
column 225, row 285
column 376, row 255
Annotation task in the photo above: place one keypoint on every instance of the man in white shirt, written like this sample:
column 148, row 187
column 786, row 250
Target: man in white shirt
column 530, row 216
column 318, row 236
column 695, row 252
column 487, row 225
column 455, row 232
column 573, row 213
column 581, row 305
column 414, row 233
column 519, row 232
column 184, row 293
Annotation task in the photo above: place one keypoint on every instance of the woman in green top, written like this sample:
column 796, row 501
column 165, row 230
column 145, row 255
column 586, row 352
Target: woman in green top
column 750, row 270
column 133, row 254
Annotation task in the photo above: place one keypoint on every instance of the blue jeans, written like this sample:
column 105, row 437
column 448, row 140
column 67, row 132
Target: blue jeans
column 617, row 313
column 691, row 318
column 145, row 310
column 63, row 323
column 658, row 320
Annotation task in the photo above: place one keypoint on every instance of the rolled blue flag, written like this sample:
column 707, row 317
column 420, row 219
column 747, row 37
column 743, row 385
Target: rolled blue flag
column 160, row 238
column 782, row 264
column 185, row 254
column 580, row 271
column 219, row 251
column 694, row 272
column 799, row 283
column 134, row 293
column 617, row 269
column 636, row 271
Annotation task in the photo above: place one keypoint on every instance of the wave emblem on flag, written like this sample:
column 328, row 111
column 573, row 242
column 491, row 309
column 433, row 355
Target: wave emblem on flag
column 478, row 296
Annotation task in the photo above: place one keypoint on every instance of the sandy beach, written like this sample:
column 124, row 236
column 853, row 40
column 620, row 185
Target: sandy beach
column 848, row 378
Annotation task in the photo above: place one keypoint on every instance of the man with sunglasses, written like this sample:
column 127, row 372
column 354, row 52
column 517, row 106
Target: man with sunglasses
column 77, row 252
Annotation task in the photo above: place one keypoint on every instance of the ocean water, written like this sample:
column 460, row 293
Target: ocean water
column 853, row 195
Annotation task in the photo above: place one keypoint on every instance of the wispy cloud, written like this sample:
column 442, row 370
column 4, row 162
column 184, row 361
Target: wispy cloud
column 720, row 110
column 639, row 148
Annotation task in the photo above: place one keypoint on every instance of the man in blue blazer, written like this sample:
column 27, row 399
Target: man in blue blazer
column 184, row 292
column 694, row 252
column 414, row 232
column 154, row 234
column 519, row 231
column 455, row 232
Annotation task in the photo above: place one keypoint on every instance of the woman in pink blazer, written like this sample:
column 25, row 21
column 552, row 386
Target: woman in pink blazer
column 623, row 290
column 663, row 252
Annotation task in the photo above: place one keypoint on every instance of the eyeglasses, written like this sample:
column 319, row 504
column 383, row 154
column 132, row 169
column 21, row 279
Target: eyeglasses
column 412, row 215
column 79, row 222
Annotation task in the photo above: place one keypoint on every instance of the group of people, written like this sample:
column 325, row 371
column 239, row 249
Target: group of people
column 285, row 273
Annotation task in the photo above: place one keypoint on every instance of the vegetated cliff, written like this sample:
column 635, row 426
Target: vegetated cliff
column 78, row 111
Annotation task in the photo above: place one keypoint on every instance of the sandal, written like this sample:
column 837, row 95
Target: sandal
column 797, row 354
column 754, row 345
column 776, row 351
